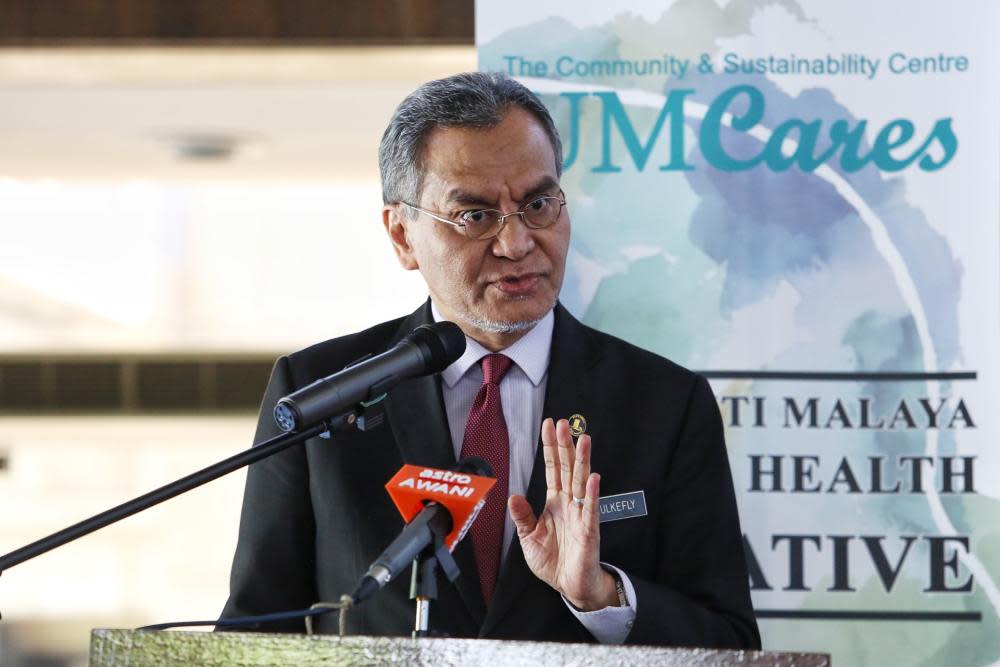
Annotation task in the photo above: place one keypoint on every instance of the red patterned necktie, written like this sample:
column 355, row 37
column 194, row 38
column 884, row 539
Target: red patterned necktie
column 486, row 437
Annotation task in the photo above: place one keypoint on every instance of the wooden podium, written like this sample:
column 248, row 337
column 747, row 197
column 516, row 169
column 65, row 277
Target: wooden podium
column 168, row 649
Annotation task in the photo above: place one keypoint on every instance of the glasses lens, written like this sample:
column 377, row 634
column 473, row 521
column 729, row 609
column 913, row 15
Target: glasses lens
column 542, row 212
column 481, row 223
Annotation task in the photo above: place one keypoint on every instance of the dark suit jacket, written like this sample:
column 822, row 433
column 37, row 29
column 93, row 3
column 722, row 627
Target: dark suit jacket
column 315, row 517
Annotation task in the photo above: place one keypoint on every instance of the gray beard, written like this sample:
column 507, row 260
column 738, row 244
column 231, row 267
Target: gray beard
column 494, row 326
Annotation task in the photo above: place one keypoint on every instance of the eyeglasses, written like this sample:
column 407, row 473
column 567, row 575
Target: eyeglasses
column 481, row 224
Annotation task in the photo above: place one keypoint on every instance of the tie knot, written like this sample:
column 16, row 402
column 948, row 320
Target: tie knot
column 495, row 366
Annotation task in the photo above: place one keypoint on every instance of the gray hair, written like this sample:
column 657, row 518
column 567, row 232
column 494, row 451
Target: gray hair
column 473, row 99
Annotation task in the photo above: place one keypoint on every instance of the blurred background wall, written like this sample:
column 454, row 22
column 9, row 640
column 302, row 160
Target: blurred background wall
column 187, row 190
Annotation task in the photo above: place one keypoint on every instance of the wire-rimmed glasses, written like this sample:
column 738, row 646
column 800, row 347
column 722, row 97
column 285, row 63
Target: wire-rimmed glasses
column 486, row 223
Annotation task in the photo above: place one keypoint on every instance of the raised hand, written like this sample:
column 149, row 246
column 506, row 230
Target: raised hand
column 562, row 546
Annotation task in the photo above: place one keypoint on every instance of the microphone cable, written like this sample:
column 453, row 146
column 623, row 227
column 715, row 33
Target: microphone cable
column 318, row 609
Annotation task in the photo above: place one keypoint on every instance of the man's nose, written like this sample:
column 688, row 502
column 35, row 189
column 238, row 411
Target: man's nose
column 515, row 239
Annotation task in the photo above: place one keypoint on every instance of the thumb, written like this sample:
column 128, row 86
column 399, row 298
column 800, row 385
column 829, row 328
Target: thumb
column 520, row 512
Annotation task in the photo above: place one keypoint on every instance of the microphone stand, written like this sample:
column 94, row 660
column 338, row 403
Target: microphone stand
column 423, row 581
column 265, row 449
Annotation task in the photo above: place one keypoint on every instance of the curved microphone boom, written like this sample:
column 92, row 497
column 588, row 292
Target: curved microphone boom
column 429, row 349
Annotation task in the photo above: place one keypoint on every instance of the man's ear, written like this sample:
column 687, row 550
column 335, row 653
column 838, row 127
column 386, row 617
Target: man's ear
column 396, row 223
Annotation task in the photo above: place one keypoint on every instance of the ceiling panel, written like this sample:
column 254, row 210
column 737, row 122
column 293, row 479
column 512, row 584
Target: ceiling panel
column 271, row 114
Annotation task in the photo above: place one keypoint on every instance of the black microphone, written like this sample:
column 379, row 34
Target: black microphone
column 429, row 349
column 443, row 510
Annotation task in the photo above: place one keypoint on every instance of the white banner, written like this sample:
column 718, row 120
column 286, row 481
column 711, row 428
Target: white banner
column 800, row 199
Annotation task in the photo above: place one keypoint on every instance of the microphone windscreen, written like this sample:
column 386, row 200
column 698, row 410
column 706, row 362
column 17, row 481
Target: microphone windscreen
column 444, row 341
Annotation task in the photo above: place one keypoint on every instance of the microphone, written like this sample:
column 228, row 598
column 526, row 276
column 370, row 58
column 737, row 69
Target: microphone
column 429, row 349
column 438, row 505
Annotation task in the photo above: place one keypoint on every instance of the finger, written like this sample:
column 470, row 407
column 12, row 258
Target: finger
column 520, row 512
column 591, row 503
column 581, row 467
column 566, row 455
column 551, row 456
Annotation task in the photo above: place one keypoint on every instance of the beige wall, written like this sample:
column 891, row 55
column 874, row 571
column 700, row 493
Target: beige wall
column 169, row 563
column 113, row 243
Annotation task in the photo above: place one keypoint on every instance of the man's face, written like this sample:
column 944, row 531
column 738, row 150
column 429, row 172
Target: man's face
column 493, row 287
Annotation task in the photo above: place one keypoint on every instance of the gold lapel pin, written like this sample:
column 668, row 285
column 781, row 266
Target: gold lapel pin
column 577, row 425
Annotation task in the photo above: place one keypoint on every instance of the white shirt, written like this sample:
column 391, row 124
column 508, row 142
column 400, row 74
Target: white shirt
column 522, row 396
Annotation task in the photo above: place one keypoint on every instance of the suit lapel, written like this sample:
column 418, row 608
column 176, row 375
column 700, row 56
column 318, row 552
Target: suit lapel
column 570, row 389
column 420, row 426
column 416, row 410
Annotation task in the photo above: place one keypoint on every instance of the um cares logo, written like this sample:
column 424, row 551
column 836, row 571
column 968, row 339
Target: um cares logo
column 807, row 144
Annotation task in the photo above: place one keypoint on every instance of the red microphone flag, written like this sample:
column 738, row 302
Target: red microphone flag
column 462, row 494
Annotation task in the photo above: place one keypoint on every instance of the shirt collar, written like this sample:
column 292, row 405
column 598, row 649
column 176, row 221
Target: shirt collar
column 530, row 352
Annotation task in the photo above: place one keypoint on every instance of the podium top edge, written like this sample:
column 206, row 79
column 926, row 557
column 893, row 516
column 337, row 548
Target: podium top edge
column 134, row 648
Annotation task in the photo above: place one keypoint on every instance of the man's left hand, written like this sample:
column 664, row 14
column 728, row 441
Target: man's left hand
column 562, row 546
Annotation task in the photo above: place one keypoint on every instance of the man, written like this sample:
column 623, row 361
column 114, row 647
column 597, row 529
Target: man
column 470, row 171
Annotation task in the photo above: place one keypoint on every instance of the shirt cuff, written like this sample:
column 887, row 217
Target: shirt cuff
column 610, row 625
